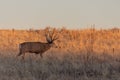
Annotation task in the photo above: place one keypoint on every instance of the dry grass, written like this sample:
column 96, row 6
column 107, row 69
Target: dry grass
column 59, row 66
column 81, row 55
column 102, row 40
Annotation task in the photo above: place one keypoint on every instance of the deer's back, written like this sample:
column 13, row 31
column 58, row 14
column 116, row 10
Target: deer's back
column 34, row 47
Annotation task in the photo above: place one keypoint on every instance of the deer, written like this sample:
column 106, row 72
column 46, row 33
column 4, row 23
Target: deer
column 38, row 47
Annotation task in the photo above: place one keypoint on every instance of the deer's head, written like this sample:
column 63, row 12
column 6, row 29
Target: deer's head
column 51, row 36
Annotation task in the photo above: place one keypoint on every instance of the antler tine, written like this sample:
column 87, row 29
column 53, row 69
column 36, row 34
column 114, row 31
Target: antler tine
column 55, row 38
column 46, row 31
column 52, row 33
column 47, row 35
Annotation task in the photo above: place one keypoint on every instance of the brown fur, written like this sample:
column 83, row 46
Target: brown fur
column 36, row 47
column 33, row 47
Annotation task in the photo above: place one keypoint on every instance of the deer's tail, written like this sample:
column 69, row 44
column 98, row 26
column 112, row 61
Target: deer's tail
column 19, row 51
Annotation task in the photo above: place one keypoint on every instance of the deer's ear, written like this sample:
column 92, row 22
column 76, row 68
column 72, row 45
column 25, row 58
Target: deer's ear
column 47, row 36
column 49, row 40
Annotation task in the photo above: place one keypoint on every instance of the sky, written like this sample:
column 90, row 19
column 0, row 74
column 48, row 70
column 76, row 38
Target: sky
column 35, row 14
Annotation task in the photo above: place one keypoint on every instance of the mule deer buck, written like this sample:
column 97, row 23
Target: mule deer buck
column 38, row 47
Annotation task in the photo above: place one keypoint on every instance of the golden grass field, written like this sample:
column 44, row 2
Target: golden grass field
column 86, row 54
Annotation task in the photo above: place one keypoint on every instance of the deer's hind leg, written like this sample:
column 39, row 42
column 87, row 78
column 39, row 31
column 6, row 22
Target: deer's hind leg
column 23, row 56
column 19, row 54
column 41, row 55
